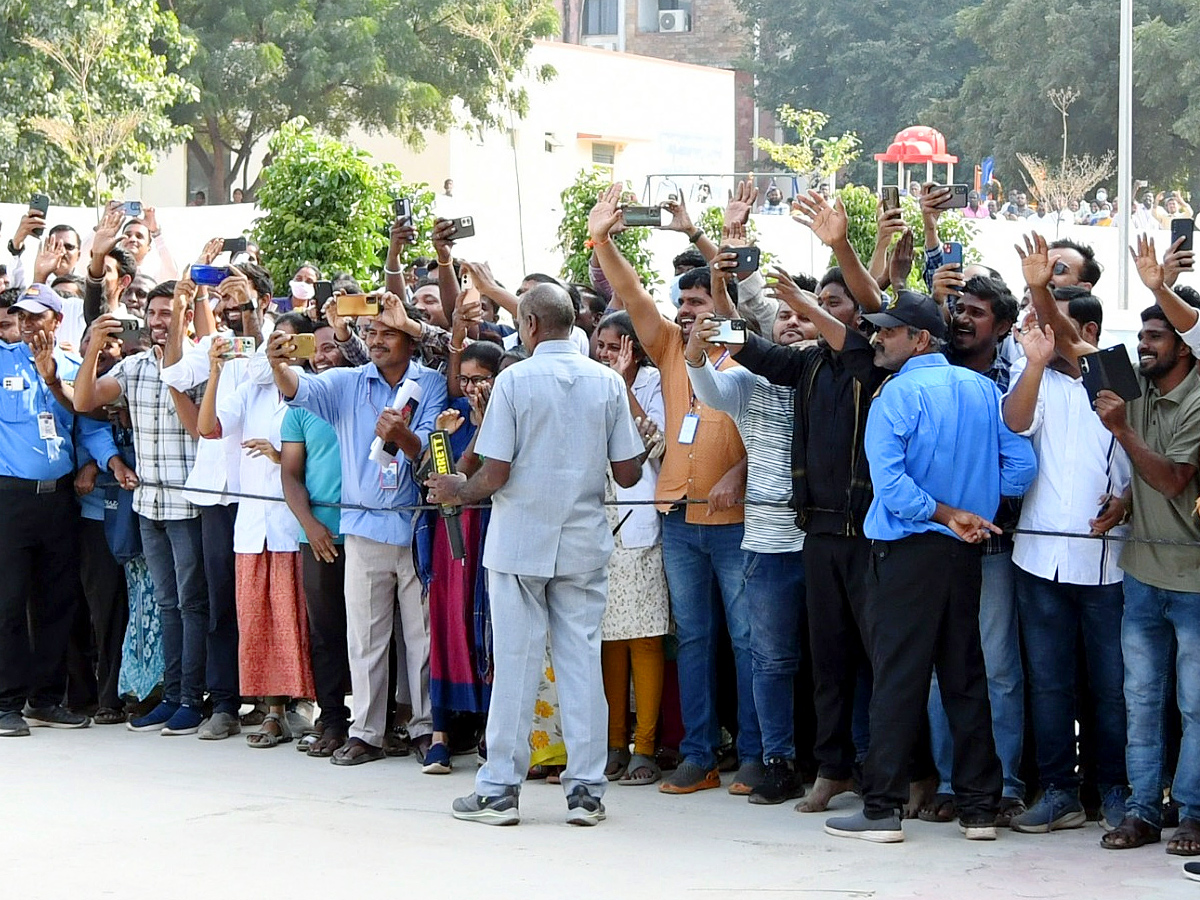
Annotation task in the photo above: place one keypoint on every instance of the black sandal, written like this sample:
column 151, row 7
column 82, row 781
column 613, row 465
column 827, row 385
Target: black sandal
column 1130, row 834
column 1188, row 830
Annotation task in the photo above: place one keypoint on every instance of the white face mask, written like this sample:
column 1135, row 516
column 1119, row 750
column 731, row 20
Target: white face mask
column 302, row 290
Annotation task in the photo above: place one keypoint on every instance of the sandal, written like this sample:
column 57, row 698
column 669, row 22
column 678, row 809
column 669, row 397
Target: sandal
column 641, row 770
column 274, row 731
column 329, row 741
column 1132, row 832
column 109, row 716
column 618, row 759
column 1188, row 832
column 940, row 810
column 355, row 752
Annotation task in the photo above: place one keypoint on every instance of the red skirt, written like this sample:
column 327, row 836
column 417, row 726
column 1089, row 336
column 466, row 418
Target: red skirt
column 273, row 650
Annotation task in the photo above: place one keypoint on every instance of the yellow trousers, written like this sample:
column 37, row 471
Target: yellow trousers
column 645, row 657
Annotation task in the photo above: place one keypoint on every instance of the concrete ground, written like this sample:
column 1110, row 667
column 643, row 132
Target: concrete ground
column 108, row 813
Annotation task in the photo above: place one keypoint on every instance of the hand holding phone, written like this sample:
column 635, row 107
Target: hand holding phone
column 402, row 208
column 39, row 203
column 643, row 216
column 132, row 208
column 891, row 197
column 952, row 253
column 234, row 245
column 730, row 331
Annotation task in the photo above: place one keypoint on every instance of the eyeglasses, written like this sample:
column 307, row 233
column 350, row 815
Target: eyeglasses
column 477, row 380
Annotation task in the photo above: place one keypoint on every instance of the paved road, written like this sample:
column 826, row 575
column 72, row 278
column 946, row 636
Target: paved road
column 107, row 813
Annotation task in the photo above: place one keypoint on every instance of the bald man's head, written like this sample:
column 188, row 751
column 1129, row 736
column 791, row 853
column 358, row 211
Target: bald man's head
column 550, row 305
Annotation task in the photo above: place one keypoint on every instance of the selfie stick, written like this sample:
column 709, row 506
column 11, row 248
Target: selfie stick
column 442, row 462
column 407, row 398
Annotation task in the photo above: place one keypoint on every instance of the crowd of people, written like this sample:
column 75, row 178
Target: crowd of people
column 828, row 532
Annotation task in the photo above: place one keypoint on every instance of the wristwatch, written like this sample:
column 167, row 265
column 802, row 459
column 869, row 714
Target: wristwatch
column 696, row 235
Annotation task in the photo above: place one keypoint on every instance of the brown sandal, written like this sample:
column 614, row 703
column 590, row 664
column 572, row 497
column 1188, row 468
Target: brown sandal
column 355, row 752
column 1132, row 832
column 328, row 743
column 1187, row 832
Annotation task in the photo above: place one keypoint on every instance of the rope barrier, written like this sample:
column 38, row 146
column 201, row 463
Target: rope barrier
column 775, row 504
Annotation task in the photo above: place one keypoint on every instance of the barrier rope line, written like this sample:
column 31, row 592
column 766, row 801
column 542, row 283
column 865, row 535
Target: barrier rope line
column 776, row 504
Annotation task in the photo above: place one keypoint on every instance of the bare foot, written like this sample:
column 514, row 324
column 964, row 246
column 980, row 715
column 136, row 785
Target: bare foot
column 823, row 790
column 920, row 795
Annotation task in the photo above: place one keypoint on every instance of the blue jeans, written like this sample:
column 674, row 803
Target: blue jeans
column 1160, row 625
column 176, row 563
column 774, row 589
column 1051, row 614
column 695, row 556
column 1006, row 683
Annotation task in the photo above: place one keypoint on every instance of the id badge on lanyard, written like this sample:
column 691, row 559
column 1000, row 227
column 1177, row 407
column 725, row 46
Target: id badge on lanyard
column 389, row 476
column 691, row 422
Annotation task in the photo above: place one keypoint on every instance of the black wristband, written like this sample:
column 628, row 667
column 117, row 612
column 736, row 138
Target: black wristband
column 15, row 251
column 695, row 235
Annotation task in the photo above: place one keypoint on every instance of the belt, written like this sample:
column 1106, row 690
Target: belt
column 30, row 486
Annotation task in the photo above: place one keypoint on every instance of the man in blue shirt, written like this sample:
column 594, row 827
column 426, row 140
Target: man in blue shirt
column 379, row 561
column 39, row 531
column 940, row 459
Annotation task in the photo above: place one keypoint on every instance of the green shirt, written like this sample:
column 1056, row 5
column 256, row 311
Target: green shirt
column 1170, row 424
column 322, row 464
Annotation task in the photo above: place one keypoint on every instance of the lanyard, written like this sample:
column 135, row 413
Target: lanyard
column 717, row 365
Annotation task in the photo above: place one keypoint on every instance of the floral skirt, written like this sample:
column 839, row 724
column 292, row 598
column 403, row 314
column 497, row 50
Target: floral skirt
column 142, row 650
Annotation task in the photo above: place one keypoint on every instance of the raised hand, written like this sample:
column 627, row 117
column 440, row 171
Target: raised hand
column 42, row 346
column 948, row 282
column 48, row 259
column 1038, row 343
column 785, row 290
column 443, row 240
column 150, row 217
column 1176, row 261
column 900, row 260
column 605, row 214
column 1035, row 261
column 1152, row 274
column 625, row 365
column 888, row 223
column 213, row 248
column 828, row 223
column 108, row 232
column 741, row 202
column 681, row 221
column 449, row 421
column 479, row 401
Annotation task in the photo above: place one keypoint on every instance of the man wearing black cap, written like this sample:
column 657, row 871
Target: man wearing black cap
column 39, row 548
column 940, row 459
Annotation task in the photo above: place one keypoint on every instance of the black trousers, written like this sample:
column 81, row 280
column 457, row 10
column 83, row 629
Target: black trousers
column 221, row 650
column 39, row 592
column 325, row 596
column 922, row 611
column 107, row 603
column 834, row 590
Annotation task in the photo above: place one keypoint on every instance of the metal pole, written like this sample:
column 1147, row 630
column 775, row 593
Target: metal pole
column 1125, row 153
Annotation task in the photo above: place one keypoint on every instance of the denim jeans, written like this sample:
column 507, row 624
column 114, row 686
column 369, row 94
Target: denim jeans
column 1159, row 627
column 1051, row 614
column 1006, row 683
column 694, row 556
column 176, row 563
column 774, row 590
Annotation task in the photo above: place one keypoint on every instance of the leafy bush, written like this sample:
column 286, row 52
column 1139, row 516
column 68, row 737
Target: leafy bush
column 577, row 202
column 326, row 203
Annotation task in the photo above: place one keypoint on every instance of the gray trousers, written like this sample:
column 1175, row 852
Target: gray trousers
column 524, row 608
column 381, row 588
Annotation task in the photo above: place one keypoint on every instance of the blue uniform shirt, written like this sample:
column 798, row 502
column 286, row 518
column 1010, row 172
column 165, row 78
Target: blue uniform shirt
column 934, row 434
column 352, row 400
column 23, row 397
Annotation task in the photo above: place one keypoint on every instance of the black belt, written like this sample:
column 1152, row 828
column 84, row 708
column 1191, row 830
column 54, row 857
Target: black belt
column 30, row 486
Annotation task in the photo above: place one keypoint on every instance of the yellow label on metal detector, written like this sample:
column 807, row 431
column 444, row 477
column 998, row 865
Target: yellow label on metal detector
column 442, row 461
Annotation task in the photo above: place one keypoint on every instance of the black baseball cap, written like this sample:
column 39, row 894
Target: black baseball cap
column 913, row 309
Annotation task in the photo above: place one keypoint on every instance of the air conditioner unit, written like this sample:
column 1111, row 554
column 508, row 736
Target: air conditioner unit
column 605, row 45
column 673, row 20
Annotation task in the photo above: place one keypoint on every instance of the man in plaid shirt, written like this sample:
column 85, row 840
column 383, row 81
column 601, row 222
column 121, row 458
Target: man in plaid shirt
column 165, row 443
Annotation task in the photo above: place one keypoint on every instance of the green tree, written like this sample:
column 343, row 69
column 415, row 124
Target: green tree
column 810, row 154
column 577, row 202
column 326, row 202
column 874, row 66
column 87, row 87
column 384, row 65
column 1167, row 84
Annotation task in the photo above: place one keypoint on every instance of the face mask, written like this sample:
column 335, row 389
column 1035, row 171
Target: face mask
column 302, row 290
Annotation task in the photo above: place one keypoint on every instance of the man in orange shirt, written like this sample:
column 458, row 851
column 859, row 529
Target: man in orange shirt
column 704, row 460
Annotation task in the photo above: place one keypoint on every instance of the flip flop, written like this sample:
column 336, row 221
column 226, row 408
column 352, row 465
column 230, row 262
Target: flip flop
column 355, row 752
column 641, row 770
column 940, row 810
column 330, row 740
column 618, row 760
column 264, row 739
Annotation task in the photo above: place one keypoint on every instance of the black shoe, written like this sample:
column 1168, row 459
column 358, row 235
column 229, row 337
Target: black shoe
column 1192, row 870
column 56, row 717
column 778, row 784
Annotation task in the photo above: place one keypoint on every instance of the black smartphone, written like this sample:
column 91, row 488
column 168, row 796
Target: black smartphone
column 643, row 216
column 322, row 293
column 748, row 259
column 39, row 203
column 234, row 245
column 891, row 197
column 958, row 196
column 464, row 227
column 1182, row 228
column 132, row 330
column 402, row 208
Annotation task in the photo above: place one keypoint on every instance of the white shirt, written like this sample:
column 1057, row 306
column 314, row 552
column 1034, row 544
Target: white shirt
column 257, row 411
column 217, row 461
column 642, row 527
column 1078, row 462
column 1191, row 337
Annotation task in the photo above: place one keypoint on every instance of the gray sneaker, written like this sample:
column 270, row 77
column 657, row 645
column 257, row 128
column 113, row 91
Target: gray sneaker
column 749, row 776
column 878, row 831
column 583, row 808
column 55, row 717
column 13, row 724
column 1055, row 810
column 219, row 726
column 500, row 810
